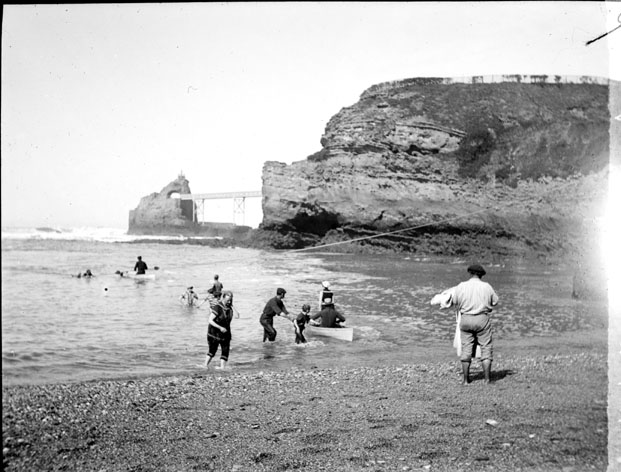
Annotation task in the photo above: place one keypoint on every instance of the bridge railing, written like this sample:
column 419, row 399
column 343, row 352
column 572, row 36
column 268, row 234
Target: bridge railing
column 219, row 196
column 239, row 203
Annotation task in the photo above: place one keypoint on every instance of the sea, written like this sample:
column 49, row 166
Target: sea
column 59, row 328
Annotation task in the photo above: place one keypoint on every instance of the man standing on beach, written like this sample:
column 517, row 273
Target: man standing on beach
column 141, row 266
column 474, row 300
column 275, row 306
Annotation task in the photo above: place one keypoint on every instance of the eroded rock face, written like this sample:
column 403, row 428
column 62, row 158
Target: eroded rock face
column 160, row 213
column 164, row 214
column 466, row 168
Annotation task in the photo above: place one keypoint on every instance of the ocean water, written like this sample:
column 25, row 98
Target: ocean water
column 58, row 328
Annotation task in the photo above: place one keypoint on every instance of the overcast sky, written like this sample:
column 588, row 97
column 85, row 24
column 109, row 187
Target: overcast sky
column 104, row 104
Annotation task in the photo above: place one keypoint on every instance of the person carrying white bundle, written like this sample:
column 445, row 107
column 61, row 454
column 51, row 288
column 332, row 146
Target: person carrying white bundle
column 474, row 300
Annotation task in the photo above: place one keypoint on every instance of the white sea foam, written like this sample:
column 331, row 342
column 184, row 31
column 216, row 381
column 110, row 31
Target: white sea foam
column 109, row 235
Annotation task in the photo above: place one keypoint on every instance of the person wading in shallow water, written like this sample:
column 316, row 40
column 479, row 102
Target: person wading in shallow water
column 273, row 307
column 474, row 299
column 216, row 288
column 300, row 322
column 140, row 267
column 219, row 329
column 189, row 298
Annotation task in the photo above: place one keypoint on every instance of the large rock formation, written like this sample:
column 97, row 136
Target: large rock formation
column 160, row 213
column 164, row 213
column 500, row 169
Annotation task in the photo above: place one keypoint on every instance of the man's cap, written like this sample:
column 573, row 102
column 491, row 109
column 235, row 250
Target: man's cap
column 280, row 291
column 227, row 292
column 191, row 288
column 476, row 269
column 326, row 284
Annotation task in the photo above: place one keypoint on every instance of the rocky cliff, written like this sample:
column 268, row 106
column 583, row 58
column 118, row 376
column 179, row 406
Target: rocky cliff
column 432, row 167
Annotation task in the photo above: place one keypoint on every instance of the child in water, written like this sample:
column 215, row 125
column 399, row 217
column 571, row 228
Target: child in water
column 300, row 323
column 189, row 298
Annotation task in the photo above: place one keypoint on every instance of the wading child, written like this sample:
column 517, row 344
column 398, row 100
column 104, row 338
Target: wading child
column 300, row 323
column 189, row 298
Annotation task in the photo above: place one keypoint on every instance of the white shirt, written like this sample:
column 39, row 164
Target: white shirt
column 474, row 297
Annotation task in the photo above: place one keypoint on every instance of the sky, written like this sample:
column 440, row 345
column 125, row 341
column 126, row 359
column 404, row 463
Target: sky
column 104, row 104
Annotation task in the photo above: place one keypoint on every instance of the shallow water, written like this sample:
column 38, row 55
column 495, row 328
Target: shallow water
column 59, row 328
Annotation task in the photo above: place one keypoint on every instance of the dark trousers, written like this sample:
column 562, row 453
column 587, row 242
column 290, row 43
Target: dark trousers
column 299, row 337
column 269, row 333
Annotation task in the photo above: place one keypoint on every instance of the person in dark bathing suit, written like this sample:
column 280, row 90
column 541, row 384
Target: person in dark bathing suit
column 300, row 323
column 219, row 329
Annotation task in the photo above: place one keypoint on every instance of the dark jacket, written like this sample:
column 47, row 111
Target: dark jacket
column 329, row 317
column 273, row 307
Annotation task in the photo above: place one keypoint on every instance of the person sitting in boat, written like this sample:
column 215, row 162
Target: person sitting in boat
column 330, row 317
column 189, row 298
column 325, row 294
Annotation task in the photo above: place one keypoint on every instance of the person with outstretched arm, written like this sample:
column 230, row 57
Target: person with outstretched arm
column 474, row 300
column 274, row 307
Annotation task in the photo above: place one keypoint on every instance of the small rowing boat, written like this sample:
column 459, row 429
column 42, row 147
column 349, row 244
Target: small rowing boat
column 131, row 275
column 344, row 334
column 143, row 276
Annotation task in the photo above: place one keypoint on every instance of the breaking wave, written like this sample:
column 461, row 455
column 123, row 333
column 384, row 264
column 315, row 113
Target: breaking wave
column 108, row 235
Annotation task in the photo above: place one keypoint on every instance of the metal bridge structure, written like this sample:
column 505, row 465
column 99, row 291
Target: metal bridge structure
column 239, row 203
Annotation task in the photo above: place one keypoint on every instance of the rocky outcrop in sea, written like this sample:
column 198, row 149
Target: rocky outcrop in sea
column 165, row 213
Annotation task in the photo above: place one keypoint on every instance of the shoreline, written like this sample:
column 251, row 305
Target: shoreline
column 545, row 410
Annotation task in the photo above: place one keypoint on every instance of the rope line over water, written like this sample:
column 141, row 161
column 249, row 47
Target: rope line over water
column 403, row 230
column 387, row 233
column 445, row 220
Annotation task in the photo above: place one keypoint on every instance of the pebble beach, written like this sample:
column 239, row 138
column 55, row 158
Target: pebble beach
column 545, row 410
